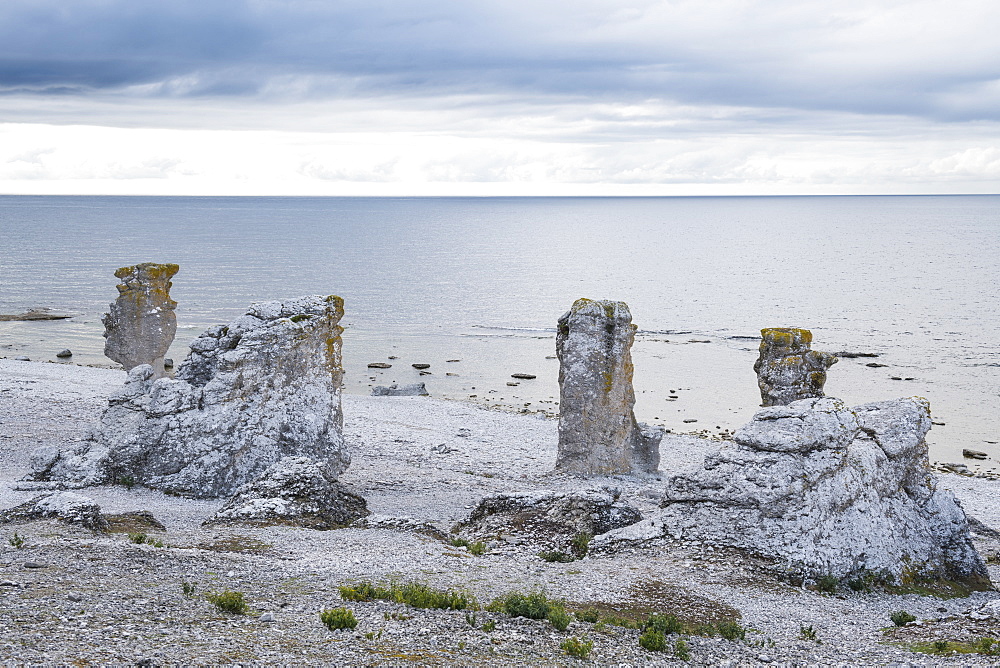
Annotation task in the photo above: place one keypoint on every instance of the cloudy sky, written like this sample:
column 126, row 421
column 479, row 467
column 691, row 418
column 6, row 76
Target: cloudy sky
column 489, row 97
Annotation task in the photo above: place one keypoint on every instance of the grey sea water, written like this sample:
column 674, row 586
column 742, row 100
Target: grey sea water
column 912, row 279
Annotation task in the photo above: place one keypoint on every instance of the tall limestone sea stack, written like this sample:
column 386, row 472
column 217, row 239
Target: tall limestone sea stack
column 787, row 369
column 251, row 393
column 140, row 325
column 598, row 433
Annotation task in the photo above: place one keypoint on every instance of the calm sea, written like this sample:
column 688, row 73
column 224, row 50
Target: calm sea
column 912, row 279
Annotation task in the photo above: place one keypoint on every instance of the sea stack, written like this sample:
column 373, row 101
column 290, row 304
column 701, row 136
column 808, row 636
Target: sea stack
column 251, row 393
column 141, row 324
column 787, row 369
column 598, row 433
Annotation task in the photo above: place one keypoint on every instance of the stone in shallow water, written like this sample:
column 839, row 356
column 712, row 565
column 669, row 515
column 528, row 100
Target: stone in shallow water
column 823, row 489
column 264, row 387
column 140, row 325
column 411, row 390
column 598, row 432
column 787, row 369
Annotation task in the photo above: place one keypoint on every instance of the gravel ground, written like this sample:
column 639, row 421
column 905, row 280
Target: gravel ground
column 72, row 596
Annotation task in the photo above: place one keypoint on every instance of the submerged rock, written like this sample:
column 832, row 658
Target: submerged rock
column 787, row 369
column 411, row 390
column 140, row 325
column 823, row 489
column 598, row 432
column 266, row 386
column 63, row 506
column 296, row 491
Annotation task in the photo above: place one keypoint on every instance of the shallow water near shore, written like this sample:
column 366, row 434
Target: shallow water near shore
column 482, row 281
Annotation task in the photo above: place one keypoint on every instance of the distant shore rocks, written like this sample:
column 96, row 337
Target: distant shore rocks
column 379, row 365
column 523, row 376
column 33, row 314
column 64, row 353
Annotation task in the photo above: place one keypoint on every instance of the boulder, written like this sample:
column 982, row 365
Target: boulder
column 550, row 516
column 598, row 432
column 822, row 489
column 411, row 390
column 63, row 506
column 787, row 369
column 140, row 325
column 296, row 491
column 264, row 387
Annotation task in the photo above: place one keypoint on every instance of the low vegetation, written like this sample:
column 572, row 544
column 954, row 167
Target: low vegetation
column 229, row 601
column 413, row 594
column 901, row 618
column 578, row 648
column 477, row 548
column 338, row 618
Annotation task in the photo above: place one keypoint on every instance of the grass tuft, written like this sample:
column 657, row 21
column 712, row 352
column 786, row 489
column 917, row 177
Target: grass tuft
column 229, row 601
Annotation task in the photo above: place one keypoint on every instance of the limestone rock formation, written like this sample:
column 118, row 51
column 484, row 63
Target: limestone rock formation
column 823, row 489
column 264, row 387
column 411, row 390
column 551, row 516
column 140, row 325
column 64, row 506
column 787, row 369
column 598, row 433
column 296, row 491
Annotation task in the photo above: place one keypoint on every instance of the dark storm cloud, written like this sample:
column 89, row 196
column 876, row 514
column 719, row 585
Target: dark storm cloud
column 775, row 53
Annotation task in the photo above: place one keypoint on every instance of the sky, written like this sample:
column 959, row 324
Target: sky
column 482, row 97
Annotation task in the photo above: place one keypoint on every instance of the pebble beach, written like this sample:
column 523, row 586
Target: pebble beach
column 72, row 595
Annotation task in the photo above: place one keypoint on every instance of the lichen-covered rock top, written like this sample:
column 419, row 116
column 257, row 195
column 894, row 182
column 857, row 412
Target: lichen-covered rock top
column 140, row 325
column 823, row 489
column 264, row 387
column 598, row 433
column 787, row 369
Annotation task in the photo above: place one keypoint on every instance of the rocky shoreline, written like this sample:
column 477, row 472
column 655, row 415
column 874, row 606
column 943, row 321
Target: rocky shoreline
column 74, row 595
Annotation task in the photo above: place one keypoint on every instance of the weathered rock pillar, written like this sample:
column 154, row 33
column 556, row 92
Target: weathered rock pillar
column 141, row 324
column 598, row 433
column 787, row 369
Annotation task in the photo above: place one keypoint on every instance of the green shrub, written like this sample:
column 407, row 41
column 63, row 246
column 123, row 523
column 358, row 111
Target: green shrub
column 901, row 618
column 681, row 650
column 664, row 624
column 591, row 615
column 731, row 630
column 137, row 538
column 808, row 633
column 579, row 648
column 557, row 557
column 827, row 584
column 188, row 588
column 558, row 617
column 338, row 618
column 653, row 640
column 535, row 605
column 414, row 594
column 515, row 604
column 17, row 541
column 229, row 601
column 580, row 544
column 939, row 646
column 477, row 548
column 489, row 626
